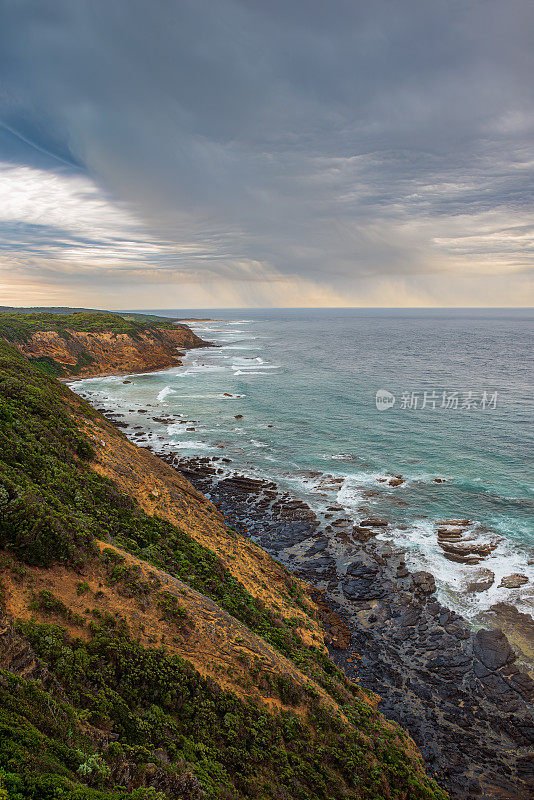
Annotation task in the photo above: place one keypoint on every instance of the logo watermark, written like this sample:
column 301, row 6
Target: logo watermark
column 449, row 400
column 384, row 399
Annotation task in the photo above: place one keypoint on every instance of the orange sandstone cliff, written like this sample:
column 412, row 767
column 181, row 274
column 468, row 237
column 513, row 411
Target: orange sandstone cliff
column 88, row 353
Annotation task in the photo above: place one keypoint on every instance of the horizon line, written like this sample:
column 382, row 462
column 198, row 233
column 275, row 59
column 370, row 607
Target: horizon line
column 287, row 308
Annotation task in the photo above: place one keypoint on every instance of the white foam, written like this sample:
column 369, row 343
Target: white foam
column 236, row 336
column 195, row 368
column 175, row 429
column 240, row 347
column 243, row 360
column 254, row 367
column 211, row 396
column 351, row 492
column 165, row 393
column 424, row 552
column 97, row 379
column 191, row 445
column 199, row 329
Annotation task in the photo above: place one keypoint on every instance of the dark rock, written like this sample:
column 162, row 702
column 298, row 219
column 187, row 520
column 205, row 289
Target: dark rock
column 480, row 581
column 513, row 581
column 424, row 582
column 492, row 649
column 363, row 534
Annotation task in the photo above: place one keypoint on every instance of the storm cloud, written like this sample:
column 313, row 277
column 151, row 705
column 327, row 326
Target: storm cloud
column 267, row 152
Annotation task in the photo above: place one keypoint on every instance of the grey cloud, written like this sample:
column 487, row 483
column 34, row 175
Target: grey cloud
column 327, row 140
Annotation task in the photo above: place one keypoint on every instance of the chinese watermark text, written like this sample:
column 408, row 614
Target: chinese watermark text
column 432, row 400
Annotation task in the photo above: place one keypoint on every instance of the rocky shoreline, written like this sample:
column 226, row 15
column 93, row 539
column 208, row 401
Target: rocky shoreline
column 459, row 693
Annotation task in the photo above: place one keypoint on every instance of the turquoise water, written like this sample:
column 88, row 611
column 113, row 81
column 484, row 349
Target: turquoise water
column 313, row 376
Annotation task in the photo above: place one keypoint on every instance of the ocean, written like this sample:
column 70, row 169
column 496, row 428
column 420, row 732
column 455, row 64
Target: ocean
column 291, row 395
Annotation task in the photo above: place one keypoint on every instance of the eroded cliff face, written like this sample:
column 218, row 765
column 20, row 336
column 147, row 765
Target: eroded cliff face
column 86, row 354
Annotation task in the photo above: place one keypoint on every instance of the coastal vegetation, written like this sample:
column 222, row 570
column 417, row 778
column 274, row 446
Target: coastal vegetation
column 104, row 711
column 67, row 310
column 16, row 327
column 92, row 342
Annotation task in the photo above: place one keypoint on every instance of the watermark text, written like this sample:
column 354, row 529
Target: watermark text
column 433, row 400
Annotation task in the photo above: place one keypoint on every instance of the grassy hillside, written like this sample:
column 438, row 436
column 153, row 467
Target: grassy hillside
column 17, row 327
column 106, row 613
column 67, row 310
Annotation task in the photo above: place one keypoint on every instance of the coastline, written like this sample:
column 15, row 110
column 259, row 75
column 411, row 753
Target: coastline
column 181, row 623
column 120, row 374
column 459, row 692
column 125, row 373
column 75, row 353
column 507, row 610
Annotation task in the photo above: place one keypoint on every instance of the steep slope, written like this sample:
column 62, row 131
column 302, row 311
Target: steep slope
column 165, row 670
column 97, row 343
column 160, row 490
column 160, row 611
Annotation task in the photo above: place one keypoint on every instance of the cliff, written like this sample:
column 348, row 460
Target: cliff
column 86, row 353
column 88, row 344
column 147, row 650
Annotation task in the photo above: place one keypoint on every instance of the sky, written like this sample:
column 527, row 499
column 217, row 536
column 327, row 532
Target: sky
column 232, row 153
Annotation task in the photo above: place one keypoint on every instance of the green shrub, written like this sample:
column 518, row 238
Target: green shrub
column 94, row 770
column 158, row 704
column 16, row 327
column 46, row 603
column 171, row 610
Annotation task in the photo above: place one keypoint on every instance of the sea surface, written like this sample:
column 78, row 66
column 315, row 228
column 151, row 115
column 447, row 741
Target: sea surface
column 305, row 383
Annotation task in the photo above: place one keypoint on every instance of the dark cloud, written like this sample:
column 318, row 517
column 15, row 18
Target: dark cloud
column 331, row 141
